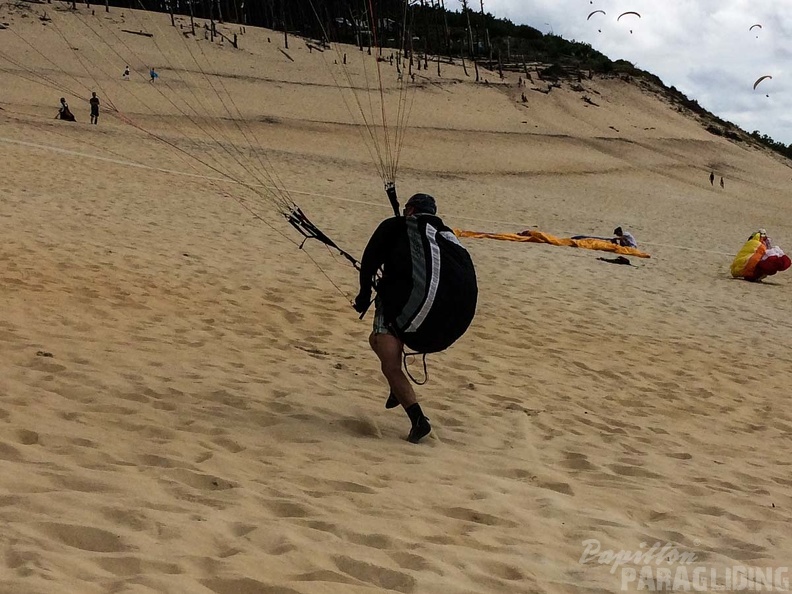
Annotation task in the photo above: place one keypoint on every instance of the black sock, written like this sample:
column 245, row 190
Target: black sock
column 415, row 413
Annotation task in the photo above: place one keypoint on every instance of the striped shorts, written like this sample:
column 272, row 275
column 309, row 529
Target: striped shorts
column 380, row 326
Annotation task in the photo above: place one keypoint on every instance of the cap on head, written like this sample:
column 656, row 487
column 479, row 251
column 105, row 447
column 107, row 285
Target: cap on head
column 422, row 203
column 618, row 231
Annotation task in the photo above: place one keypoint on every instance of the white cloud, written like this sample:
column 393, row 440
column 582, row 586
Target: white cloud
column 702, row 47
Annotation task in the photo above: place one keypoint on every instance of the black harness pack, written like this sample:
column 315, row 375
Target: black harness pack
column 442, row 296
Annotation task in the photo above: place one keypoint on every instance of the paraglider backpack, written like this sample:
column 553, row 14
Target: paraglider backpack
column 442, row 300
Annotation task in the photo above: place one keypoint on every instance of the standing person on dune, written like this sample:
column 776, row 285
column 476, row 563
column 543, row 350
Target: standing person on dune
column 94, row 101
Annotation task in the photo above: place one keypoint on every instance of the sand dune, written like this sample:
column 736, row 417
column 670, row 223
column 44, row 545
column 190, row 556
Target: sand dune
column 189, row 404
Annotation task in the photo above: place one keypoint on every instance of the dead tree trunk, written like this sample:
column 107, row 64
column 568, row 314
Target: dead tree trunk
column 486, row 32
column 470, row 38
column 211, row 20
column 285, row 28
column 192, row 19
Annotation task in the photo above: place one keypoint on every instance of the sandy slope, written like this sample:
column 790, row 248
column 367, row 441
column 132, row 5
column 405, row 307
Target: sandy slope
column 210, row 418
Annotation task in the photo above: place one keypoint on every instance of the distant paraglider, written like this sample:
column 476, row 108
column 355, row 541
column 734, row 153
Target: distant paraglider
column 752, row 27
column 625, row 14
column 591, row 14
column 760, row 79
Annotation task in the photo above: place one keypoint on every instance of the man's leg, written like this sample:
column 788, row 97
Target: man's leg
column 389, row 351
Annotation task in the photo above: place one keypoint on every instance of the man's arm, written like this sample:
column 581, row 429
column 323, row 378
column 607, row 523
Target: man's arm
column 373, row 257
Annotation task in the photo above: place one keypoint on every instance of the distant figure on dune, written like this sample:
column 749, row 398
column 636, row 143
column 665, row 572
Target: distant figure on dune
column 125, row 76
column 712, row 178
column 721, row 182
column 64, row 112
column 624, row 238
column 153, row 74
column 94, row 101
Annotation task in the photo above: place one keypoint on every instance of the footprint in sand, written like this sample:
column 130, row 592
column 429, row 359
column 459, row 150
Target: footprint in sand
column 130, row 566
column 45, row 365
column 9, row 453
column 196, row 480
column 470, row 515
column 244, row 586
column 577, row 461
column 362, row 427
column 26, row 437
column 85, row 538
column 376, row 575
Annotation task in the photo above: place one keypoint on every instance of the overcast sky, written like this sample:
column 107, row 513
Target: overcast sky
column 702, row 47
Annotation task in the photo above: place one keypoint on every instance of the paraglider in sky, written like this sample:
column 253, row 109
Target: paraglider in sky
column 626, row 13
column 760, row 79
column 752, row 27
column 591, row 14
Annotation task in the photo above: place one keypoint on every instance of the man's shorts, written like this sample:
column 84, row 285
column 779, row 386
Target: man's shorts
column 380, row 326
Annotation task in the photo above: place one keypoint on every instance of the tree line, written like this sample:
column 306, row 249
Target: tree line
column 421, row 26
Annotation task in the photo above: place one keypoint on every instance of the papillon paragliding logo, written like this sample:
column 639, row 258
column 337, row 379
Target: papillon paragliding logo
column 760, row 80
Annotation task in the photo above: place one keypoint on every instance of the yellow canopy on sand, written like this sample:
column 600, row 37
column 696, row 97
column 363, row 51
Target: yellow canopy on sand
column 748, row 257
column 539, row 237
